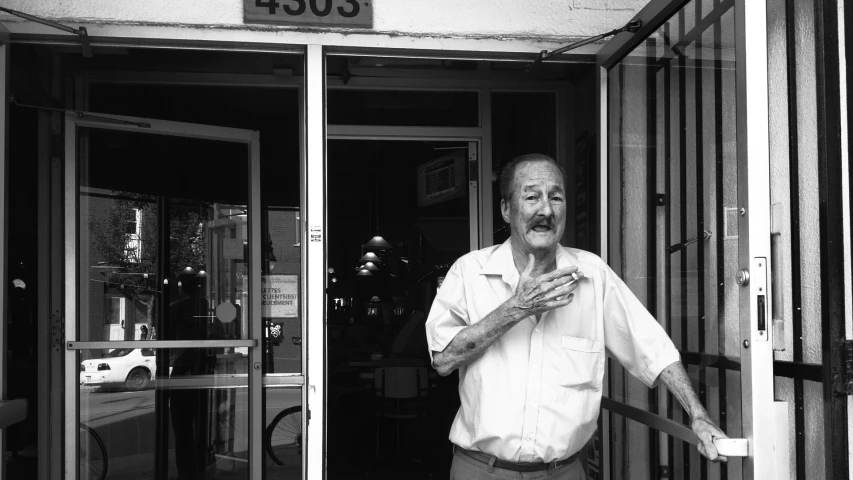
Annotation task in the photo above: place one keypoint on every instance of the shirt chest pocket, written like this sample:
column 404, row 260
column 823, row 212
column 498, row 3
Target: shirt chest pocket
column 582, row 362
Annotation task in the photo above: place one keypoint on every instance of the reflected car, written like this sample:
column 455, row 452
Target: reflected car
column 131, row 368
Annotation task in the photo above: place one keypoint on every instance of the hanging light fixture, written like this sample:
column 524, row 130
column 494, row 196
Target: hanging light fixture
column 370, row 257
column 370, row 266
column 364, row 273
column 378, row 243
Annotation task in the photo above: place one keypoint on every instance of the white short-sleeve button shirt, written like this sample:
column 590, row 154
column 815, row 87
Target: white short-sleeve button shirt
column 535, row 394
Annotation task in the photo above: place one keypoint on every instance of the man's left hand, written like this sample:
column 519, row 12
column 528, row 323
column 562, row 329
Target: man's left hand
column 707, row 431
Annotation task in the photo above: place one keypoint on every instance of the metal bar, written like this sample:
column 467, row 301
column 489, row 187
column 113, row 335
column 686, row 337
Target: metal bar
column 603, row 147
column 696, row 32
column 700, row 26
column 706, row 360
column 70, row 318
column 651, row 238
column 352, row 51
column 652, row 16
column 54, row 273
column 667, row 161
column 377, row 132
column 487, row 237
column 799, row 371
column 43, row 315
column 830, row 191
column 796, row 274
column 680, row 246
column 162, row 127
column 161, row 44
column 473, row 196
column 682, row 210
column 722, row 374
column 315, row 79
column 207, row 382
column 656, row 422
column 617, row 240
column 5, row 74
column 159, row 344
column 256, row 412
column 631, row 27
column 43, row 21
column 279, row 380
column 161, row 405
column 753, row 154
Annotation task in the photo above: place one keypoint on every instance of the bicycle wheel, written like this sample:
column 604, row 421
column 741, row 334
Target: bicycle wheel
column 284, row 437
column 92, row 455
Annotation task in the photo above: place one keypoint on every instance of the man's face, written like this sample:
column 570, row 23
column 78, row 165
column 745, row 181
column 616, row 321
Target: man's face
column 536, row 212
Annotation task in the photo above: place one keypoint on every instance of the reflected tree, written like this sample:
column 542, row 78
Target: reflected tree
column 125, row 236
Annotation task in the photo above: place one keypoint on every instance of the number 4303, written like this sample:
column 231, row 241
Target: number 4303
column 297, row 7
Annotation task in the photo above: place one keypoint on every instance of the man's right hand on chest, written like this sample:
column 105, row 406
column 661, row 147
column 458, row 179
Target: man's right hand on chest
column 536, row 295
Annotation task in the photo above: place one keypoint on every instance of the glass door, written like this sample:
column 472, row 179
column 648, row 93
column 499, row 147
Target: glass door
column 684, row 162
column 165, row 347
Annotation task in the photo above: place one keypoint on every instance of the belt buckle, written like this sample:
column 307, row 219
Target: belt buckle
column 554, row 464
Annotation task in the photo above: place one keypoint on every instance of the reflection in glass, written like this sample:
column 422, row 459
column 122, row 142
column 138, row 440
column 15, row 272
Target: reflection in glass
column 191, row 422
column 163, row 255
column 283, row 439
column 281, row 291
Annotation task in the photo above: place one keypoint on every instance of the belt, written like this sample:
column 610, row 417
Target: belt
column 491, row 460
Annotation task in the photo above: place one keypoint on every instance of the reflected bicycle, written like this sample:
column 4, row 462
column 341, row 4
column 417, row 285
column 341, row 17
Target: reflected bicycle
column 283, row 439
column 92, row 455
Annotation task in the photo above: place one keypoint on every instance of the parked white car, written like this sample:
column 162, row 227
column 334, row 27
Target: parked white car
column 133, row 368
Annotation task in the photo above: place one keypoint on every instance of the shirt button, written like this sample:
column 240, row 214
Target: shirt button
column 536, row 330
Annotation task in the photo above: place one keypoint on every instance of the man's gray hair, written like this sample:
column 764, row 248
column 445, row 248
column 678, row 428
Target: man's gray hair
column 508, row 171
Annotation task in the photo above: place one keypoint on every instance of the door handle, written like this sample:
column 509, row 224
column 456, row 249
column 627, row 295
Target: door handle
column 678, row 246
column 732, row 447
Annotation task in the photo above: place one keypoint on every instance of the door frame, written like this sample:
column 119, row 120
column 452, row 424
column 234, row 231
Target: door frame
column 75, row 120
column 757, row 381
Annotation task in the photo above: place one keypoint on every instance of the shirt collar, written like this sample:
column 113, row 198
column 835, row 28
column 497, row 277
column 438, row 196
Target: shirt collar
column 501, row 262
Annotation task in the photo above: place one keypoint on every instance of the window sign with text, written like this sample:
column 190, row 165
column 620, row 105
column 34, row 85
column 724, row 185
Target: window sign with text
column 279, row 296
column 324, row 13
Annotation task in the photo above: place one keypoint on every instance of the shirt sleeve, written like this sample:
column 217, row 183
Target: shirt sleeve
column 449, row 312
column 632, row 334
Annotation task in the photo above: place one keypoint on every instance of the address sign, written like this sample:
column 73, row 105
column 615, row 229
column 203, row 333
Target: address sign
column 325, row 13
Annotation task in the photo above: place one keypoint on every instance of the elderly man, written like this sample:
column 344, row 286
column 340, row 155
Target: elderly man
column 527, row 324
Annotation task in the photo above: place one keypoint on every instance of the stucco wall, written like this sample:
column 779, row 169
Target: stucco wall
column 443, row 18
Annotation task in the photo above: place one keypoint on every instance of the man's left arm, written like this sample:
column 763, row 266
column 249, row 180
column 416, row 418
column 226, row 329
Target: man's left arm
column 642, row 346
column 677, row 382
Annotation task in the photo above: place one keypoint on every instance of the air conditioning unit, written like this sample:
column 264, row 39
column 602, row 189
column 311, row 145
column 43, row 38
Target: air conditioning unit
column 442, row 179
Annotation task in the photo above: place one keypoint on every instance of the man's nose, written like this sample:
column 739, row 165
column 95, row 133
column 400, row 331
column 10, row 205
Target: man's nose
column 546, row 210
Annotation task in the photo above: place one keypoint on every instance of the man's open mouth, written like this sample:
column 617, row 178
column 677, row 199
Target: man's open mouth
column 541, row 228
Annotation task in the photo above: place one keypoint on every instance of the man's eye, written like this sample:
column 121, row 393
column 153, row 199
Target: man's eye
column 557, row 199
column 530, row 197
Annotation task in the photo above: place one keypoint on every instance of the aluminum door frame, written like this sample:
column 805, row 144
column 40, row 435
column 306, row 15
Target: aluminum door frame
column 754, row 254
column 251, row 139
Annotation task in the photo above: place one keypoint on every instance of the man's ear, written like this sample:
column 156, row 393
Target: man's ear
column 505, row 210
